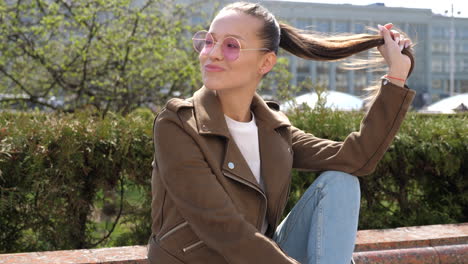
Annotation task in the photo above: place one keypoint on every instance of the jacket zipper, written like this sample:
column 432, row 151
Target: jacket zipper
column 232, row 176
column 285, row 200
column 174, row 229
column 177, row 227
column 185, row 249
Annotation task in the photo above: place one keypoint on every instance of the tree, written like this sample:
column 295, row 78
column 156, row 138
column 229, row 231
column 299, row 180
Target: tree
column 112, row 54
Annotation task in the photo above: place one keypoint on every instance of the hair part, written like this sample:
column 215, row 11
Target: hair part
column 270, row 32
column 313, row 45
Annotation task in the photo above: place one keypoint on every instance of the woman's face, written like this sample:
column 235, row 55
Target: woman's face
column 218, row 72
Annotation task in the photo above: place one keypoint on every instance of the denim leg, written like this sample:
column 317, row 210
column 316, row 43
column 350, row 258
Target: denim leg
column 321, row 228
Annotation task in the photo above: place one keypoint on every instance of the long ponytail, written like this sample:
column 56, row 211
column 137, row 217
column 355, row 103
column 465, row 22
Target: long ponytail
column 315, row 46
column 312, row 45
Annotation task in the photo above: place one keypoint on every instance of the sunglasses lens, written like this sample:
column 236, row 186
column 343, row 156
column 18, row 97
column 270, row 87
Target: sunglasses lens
column 203, row 42
column 231, row 48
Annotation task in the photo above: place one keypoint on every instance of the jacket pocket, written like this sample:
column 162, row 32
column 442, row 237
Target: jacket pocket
column 181, row 239
column 156, row 254
column 173, row 230
column 181, row 242
column 192, row 246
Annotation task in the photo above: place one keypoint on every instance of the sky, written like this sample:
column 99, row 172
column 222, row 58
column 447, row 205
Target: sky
column 437, row 6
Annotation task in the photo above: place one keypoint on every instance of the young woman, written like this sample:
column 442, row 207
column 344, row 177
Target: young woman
column 223, row 158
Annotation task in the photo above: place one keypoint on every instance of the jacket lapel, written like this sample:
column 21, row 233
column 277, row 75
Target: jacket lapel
column 275, row 153
column 276, row 157
column 210, row 120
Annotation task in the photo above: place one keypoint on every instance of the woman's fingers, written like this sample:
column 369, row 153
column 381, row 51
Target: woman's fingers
column 407, row 43
column 395, row 34
column 385, row 33
column 404, row 43
column 391, row 50
column 401, row 43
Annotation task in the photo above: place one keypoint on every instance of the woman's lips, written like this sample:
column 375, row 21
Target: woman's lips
column 213, row 68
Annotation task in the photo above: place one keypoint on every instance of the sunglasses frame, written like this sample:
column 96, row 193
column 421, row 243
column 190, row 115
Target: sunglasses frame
column 217, row 42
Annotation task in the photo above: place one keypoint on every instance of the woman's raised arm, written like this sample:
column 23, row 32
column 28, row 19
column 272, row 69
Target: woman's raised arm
column 360, row 152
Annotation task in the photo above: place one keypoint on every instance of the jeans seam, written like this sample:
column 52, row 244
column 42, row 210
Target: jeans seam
column 319, row 234
column 289, row 226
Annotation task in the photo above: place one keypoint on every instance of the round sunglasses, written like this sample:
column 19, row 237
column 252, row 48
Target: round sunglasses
column 203, row 42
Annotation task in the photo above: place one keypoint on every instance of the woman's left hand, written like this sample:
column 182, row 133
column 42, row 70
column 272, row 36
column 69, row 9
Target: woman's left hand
column 398, row 63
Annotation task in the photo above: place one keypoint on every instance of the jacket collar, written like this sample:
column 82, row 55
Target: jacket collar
column 276, row 159
column 210, row 117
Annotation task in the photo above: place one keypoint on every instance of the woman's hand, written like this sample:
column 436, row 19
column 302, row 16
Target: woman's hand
column 398, row 63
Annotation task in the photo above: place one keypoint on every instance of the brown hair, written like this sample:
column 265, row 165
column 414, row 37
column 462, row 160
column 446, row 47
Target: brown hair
column 317, row 46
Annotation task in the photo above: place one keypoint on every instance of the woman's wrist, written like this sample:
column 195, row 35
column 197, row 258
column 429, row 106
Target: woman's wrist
column 397, row 77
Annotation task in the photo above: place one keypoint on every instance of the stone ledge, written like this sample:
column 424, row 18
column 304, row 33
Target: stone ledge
column 409, row 237
column 116, row 255
column 441, row 244
column 452, row 254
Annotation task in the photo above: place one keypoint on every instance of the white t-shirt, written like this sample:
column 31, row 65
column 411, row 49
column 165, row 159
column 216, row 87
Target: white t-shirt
column 245, row 135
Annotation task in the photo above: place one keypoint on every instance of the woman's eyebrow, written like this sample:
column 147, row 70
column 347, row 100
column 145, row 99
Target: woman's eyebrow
column 230, row 35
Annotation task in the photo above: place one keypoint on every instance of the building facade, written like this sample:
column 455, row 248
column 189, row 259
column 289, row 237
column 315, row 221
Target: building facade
column 430, row 32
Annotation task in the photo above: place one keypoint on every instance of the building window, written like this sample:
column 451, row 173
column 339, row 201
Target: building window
column 418, row 32
column 446, row 65
column 440, row 47
column 341, row 80
column 360, row 81
column 360, row 27
column 341, row 27
column 464, row 66
column 303, row 66
column 323, row 73
column 323, row 26
column 300, row 79
column 439, row 32
column 303, row 23
column 463, row 86
column 437, row 65
column 464, row 47
column 436, row 84
column 459, row 65
column 461, row 33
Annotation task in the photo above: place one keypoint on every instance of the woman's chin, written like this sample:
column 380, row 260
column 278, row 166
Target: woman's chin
column 214, row 84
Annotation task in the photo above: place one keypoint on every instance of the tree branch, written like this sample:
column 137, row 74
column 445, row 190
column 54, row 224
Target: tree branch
column 32, row 99
column 38, row 2
column 92, row 32
column 21, row 86
column 122, row 185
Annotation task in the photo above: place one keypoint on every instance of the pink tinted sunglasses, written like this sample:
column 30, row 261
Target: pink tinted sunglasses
column 203, row 42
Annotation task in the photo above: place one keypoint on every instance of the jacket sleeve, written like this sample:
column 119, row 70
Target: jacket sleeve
column 202, row 200
column 360, row 152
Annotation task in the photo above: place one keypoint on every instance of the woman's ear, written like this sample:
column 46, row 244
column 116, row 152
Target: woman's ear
column 268, row 61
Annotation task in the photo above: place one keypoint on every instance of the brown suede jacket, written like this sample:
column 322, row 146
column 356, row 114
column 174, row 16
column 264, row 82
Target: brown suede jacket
column 207, row 206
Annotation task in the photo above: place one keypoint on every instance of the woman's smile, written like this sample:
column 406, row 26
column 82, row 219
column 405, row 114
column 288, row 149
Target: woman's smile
column 213, row 68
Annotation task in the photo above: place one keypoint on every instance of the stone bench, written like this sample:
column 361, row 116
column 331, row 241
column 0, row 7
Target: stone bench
column 438, row 244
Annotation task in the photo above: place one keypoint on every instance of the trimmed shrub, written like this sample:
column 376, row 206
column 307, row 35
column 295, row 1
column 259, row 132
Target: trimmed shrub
column 79, row 181
column 65, row 178
column 422, row 178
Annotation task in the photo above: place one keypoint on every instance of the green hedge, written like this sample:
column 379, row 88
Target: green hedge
column 76, row 181
column 63, row 177
column 422, row 178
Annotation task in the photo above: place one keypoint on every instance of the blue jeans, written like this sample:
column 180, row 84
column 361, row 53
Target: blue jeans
column 321, row 228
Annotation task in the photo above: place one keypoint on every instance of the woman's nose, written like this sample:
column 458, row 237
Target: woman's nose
column 216, row 52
